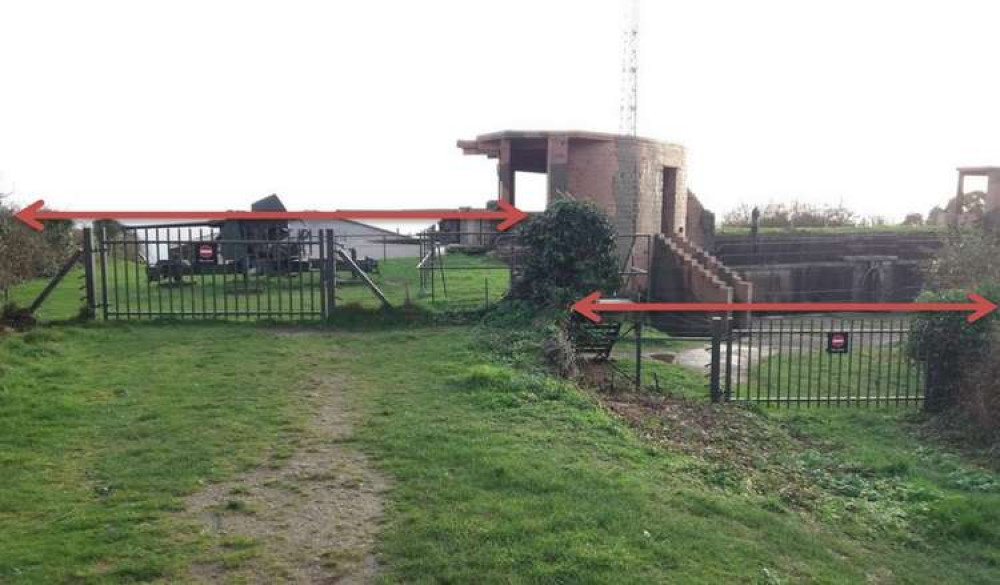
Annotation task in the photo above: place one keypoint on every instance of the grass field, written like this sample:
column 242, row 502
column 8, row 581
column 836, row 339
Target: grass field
column 500, row 473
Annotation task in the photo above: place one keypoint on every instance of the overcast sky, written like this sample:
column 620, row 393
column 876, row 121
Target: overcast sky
column 211, row 104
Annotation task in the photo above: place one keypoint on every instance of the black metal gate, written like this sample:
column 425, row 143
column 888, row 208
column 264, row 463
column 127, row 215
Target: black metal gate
column 183, row 273
column 796, row 361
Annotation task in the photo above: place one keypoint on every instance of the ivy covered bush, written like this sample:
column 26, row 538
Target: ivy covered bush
column 954, row 349
column 963, row 359
column 570, row 252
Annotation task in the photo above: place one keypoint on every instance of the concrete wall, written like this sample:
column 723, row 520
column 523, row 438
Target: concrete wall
column 740, row 250
column 830, row 267
column 625, row 178
column 700, row 223
column 991, row 219
column 885, row 281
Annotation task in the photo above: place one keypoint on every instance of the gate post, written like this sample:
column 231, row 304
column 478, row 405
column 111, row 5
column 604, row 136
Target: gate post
column 102, row 250
column 714, row 385
column 727, row 391
column 330, row 280
column 88, row 272
column 638, row 354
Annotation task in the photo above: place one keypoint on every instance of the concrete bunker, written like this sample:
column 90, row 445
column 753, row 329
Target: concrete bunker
column 638, row 182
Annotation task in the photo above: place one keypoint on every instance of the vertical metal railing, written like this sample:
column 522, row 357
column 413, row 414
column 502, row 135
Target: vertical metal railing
column 793, row 362
column 184, row 273
column 89, row 284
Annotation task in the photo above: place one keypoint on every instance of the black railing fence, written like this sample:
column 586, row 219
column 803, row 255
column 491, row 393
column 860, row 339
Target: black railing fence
column 240, row 270
column 820, row 361
column 187, row 273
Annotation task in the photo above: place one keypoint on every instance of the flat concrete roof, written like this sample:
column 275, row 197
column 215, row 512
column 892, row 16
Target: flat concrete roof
column 979, row 170
column 488, row 140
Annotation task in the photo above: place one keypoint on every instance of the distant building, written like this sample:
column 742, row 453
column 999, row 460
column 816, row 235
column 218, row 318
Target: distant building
column 366, row 240
column 991, row 211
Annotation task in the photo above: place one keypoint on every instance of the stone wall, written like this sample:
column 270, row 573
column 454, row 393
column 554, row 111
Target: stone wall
column 700, row 223
column 876, row 281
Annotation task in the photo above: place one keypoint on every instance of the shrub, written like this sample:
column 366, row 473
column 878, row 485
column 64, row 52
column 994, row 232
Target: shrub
column 963, row 359
column 570, row 253
column 793, row 215
column 966, row 260
column 979, row 395
column 26, row 254
column 559, row 352
column 951, row 346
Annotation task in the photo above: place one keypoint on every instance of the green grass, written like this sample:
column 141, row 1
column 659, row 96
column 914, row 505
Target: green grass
column 500, row 473
column 504, row 472
column 64, row 303
column 102, row 429
column 399, row 279
column 950, row 505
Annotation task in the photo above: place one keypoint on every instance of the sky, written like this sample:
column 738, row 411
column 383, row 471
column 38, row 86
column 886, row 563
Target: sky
column 212, row 104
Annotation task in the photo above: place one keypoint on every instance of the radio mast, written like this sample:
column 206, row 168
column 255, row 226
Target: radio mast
column 628, row 109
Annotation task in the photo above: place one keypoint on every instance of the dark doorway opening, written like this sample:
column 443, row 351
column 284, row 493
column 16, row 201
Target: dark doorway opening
column 669, row 201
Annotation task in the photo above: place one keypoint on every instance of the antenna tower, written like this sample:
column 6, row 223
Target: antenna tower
column 628, row 109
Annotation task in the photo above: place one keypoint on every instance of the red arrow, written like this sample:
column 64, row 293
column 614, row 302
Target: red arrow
column 508, row 215
column 592, row 304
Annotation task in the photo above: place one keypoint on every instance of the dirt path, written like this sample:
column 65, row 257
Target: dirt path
column 311, row 518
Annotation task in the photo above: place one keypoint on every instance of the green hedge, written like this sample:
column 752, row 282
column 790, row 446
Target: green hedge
column 949, row 344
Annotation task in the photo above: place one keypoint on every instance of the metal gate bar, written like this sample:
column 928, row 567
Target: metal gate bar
column 181, row 273
column 791, row 361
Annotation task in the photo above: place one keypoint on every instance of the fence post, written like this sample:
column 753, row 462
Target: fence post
column 638, row 354
column 88, row 272
column 727, row 391
column 714, row 386
column 330, row 282
column 102, row 247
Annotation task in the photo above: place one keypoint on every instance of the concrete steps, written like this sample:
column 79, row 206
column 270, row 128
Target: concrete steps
column 683, row 271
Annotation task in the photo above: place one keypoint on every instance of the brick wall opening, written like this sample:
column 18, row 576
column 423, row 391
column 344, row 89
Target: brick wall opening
column 532, row 190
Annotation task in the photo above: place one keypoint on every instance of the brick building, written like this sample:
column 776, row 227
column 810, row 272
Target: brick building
column 640, row 183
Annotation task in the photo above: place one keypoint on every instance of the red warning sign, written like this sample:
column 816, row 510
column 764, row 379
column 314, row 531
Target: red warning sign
column 206, row 252
column 838, row 342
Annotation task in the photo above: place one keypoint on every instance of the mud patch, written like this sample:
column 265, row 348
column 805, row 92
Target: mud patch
column 309, row 518
column 739, row 449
